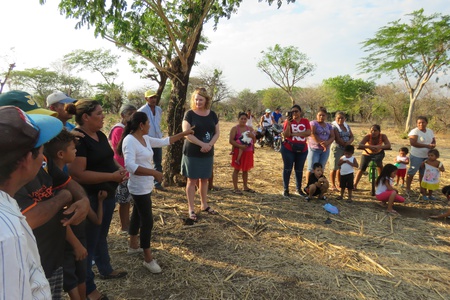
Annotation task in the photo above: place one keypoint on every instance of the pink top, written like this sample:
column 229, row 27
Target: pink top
column 114, row 138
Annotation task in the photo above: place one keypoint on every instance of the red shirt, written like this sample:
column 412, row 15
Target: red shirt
column 300, row 126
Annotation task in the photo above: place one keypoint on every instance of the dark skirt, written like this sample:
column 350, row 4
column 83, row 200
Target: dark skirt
column 197, row 167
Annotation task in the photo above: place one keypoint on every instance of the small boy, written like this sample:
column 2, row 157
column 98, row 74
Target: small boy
column 317, row 183
column 347, row 163
column 62, row 149
column 401, row 161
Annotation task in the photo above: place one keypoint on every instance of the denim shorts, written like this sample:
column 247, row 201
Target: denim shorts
column 414, row 165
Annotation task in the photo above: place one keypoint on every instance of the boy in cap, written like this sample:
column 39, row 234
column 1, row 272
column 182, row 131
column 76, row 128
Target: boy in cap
column 56, row 102
column 42, row 201
column 154, row 114
column 21, row 156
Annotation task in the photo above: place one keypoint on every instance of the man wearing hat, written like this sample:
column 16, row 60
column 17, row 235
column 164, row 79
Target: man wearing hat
column 265, row 121
column 56, row 102
column 21, row 157
column 154, row 114
column 42, row 201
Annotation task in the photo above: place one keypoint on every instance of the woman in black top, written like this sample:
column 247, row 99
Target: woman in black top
column 95, row 169
column 198, row 149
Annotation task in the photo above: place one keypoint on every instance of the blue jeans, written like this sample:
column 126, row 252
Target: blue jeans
column 96, row 243
column 291, row 159
column 317, row 155
column 157, row 160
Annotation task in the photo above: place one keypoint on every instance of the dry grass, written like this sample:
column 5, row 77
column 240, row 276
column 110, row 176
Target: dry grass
column 264, row 246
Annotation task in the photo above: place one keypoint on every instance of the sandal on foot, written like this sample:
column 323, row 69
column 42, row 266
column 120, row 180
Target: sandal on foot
column 339, row 198
column 193, row 216
column 237, row 192
column 249, row 191
column 114, row 274
column 393, row 212
column 210, row 211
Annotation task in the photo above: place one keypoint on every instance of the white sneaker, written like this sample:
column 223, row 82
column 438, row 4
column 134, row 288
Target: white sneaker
column 152, row 266
column 131, row 251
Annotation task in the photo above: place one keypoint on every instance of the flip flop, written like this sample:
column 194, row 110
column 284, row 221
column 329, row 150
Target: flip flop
column 193, row 216
column 237, row 192
column 249, row 191
column 210, row 211
column 119, row 274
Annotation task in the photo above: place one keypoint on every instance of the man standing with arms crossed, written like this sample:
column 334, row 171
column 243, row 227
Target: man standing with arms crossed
column 154, row 113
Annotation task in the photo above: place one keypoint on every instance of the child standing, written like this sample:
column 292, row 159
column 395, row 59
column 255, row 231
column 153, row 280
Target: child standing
column 385, row 192
column 431, row 175
column 63, row 151
column 346, row 163
column 317, row 183
column 400, row 162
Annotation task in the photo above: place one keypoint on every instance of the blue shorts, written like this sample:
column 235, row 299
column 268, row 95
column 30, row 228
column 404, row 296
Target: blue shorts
column 414, row 165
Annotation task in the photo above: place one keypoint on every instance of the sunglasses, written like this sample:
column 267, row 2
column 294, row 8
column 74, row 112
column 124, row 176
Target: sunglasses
column 295, row 111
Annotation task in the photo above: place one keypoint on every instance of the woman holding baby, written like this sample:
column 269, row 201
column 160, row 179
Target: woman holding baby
column 242, row 138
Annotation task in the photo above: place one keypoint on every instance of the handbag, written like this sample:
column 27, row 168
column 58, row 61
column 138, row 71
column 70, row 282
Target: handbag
column 296, row 147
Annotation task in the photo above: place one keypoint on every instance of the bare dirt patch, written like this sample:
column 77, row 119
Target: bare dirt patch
column 264, row 246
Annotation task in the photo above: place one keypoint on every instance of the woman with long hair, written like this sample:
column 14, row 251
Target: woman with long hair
column 136, row 148
column 294, row 150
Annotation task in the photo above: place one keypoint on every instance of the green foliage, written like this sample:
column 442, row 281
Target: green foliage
column 285, row 66
column 414, row 51
column 275, row 97
column 346, row 93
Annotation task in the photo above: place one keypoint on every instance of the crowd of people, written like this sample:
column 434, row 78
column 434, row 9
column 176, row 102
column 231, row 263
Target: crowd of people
column 60, row 182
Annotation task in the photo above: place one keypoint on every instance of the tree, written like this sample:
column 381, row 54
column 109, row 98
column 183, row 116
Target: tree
column 7, row 75
column 38, row 81
column 274, row 97
column 348, row 94
column 415, row 51
column 285, row 67
column 165, row 33
column 213, row 80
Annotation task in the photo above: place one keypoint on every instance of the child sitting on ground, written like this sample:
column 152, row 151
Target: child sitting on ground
column 317, row 183
column 385, row 192
column 347, row 162
column 446, row 192
column 401, row 161
column 62, row 151
column 431, row 175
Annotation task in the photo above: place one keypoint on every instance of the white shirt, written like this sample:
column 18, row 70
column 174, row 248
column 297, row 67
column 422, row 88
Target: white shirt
column 422, row 138
column 382, row 187
column 346, row 168
column 400, row 165
column 136, row 155
column 155, row 120
column 24, row 277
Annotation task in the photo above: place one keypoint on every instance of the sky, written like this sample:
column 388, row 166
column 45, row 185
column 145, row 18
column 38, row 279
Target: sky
column 329, row 32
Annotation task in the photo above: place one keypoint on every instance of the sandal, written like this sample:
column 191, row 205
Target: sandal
column 210, row 211
column 339, row 198
column 237, row 192
column 249, row 191
column 193, row 216
column 393, row 213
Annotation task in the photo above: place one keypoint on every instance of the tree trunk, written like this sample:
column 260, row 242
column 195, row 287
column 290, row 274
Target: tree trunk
column 412, row 103
column 180, row 80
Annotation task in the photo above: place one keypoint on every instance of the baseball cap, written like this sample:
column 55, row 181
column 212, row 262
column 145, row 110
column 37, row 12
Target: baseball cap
column 149, row 94
column 268, row 110
column 25, row 102
column 58, row 97
column 19, row 132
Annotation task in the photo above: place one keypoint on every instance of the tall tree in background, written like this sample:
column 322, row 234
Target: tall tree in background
column 214, row 81
column 7, row 74
column 415, row 51
column 152, row 29
column 102, row 62
column 285, row 66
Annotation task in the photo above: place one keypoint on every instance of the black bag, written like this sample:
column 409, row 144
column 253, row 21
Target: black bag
column 296, row 147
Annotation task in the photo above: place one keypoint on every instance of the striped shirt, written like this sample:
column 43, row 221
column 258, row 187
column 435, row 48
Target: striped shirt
column 21, row 273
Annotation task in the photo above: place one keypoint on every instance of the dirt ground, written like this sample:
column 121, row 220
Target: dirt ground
column 265, row 246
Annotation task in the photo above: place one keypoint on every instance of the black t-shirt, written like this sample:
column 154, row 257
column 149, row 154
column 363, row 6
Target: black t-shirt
column 51, row 236
column 205, row 128
column 313, row 179
column 99, row 158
